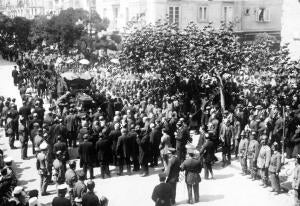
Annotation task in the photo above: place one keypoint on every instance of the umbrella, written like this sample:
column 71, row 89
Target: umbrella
column 69, row 61
column 115, row 61
column 84, row 61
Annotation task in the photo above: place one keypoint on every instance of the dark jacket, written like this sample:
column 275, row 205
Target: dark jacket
column 103, row 148
column 208, row 151
column 90, row 199
column 192, row 167
column 162, row 195
column 173, row 170
column 85, row 151
column 124, row 146
column 61, row 201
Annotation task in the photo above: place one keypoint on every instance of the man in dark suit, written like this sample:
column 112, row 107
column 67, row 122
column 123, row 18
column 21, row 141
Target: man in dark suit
column 162, row 193
column 90, row 198
column 208, row 153
column 70, row 122
column 155, row 137
column 61, row 146
column 192, row 167
column 172, row 172
column 123, row 151
column 104, row 154
column 85, row 151
column 61, row 200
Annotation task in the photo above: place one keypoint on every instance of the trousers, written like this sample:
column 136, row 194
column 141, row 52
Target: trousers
column 274, row 181
column 190, row 189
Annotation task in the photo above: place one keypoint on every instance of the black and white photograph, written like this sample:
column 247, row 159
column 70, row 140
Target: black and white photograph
column 149, row 102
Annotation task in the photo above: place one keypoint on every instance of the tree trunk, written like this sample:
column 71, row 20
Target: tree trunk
column 221, row 88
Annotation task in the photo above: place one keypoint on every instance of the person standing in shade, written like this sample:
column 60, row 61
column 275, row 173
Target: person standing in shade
column 274, row 168
column 208, row 153
column 172, row 172
column 85, row 153
column 162, row 193
column 192, row 167
column 242, row 152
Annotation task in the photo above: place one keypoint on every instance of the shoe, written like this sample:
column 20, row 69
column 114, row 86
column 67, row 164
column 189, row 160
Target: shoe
column 119, row 174
column 190, row 201
column 272, row 190
column 265, row 186
column 276, row 193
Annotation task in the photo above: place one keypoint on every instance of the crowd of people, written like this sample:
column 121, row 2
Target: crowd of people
column 140, row 122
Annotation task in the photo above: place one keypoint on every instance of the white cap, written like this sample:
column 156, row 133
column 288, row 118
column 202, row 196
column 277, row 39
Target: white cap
column 33, row 201
column 8, row 159
column 43, row 146
column 62, row 187
column 17, row 190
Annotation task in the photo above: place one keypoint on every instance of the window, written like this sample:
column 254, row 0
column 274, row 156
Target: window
column 247, row 12
column 174, row 14
column 227, row 14
column 263, row 15
column 202, row 15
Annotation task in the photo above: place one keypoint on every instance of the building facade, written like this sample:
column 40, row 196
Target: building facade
column 249, row 16
column 290, row 33
column 31, row 8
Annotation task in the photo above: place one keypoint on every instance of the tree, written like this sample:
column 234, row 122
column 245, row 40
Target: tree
column 188, row 54
column 21, row 29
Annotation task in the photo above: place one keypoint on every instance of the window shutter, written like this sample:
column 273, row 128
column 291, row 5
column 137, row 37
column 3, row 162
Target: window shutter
column 267, row 15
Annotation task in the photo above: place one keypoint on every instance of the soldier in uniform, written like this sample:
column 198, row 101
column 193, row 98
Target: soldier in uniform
column 41, row 165
column 172, row 172
column 71, row 179
column 274, row 168
column 252, row 154
column 242, row 152
column 192, row 167
column 162, row 193
column 263, row 160
column 296, row 181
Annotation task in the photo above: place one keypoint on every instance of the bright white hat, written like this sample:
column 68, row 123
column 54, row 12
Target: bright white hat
column 17, row 190
column 62, row 187
column 8, row 159
column 43, row 146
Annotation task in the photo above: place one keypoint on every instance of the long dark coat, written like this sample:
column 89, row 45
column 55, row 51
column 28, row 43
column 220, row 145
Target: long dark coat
column 104, row 153
column 144, row 148
column 85, row 152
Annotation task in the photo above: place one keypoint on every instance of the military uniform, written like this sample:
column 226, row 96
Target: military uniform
column 274, row 169
column 242, row 152
column 192, row 167
column 296, row 184
column 263, row 162
column 252, row 154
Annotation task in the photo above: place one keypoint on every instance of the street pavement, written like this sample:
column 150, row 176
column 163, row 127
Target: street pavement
column 228, row 187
